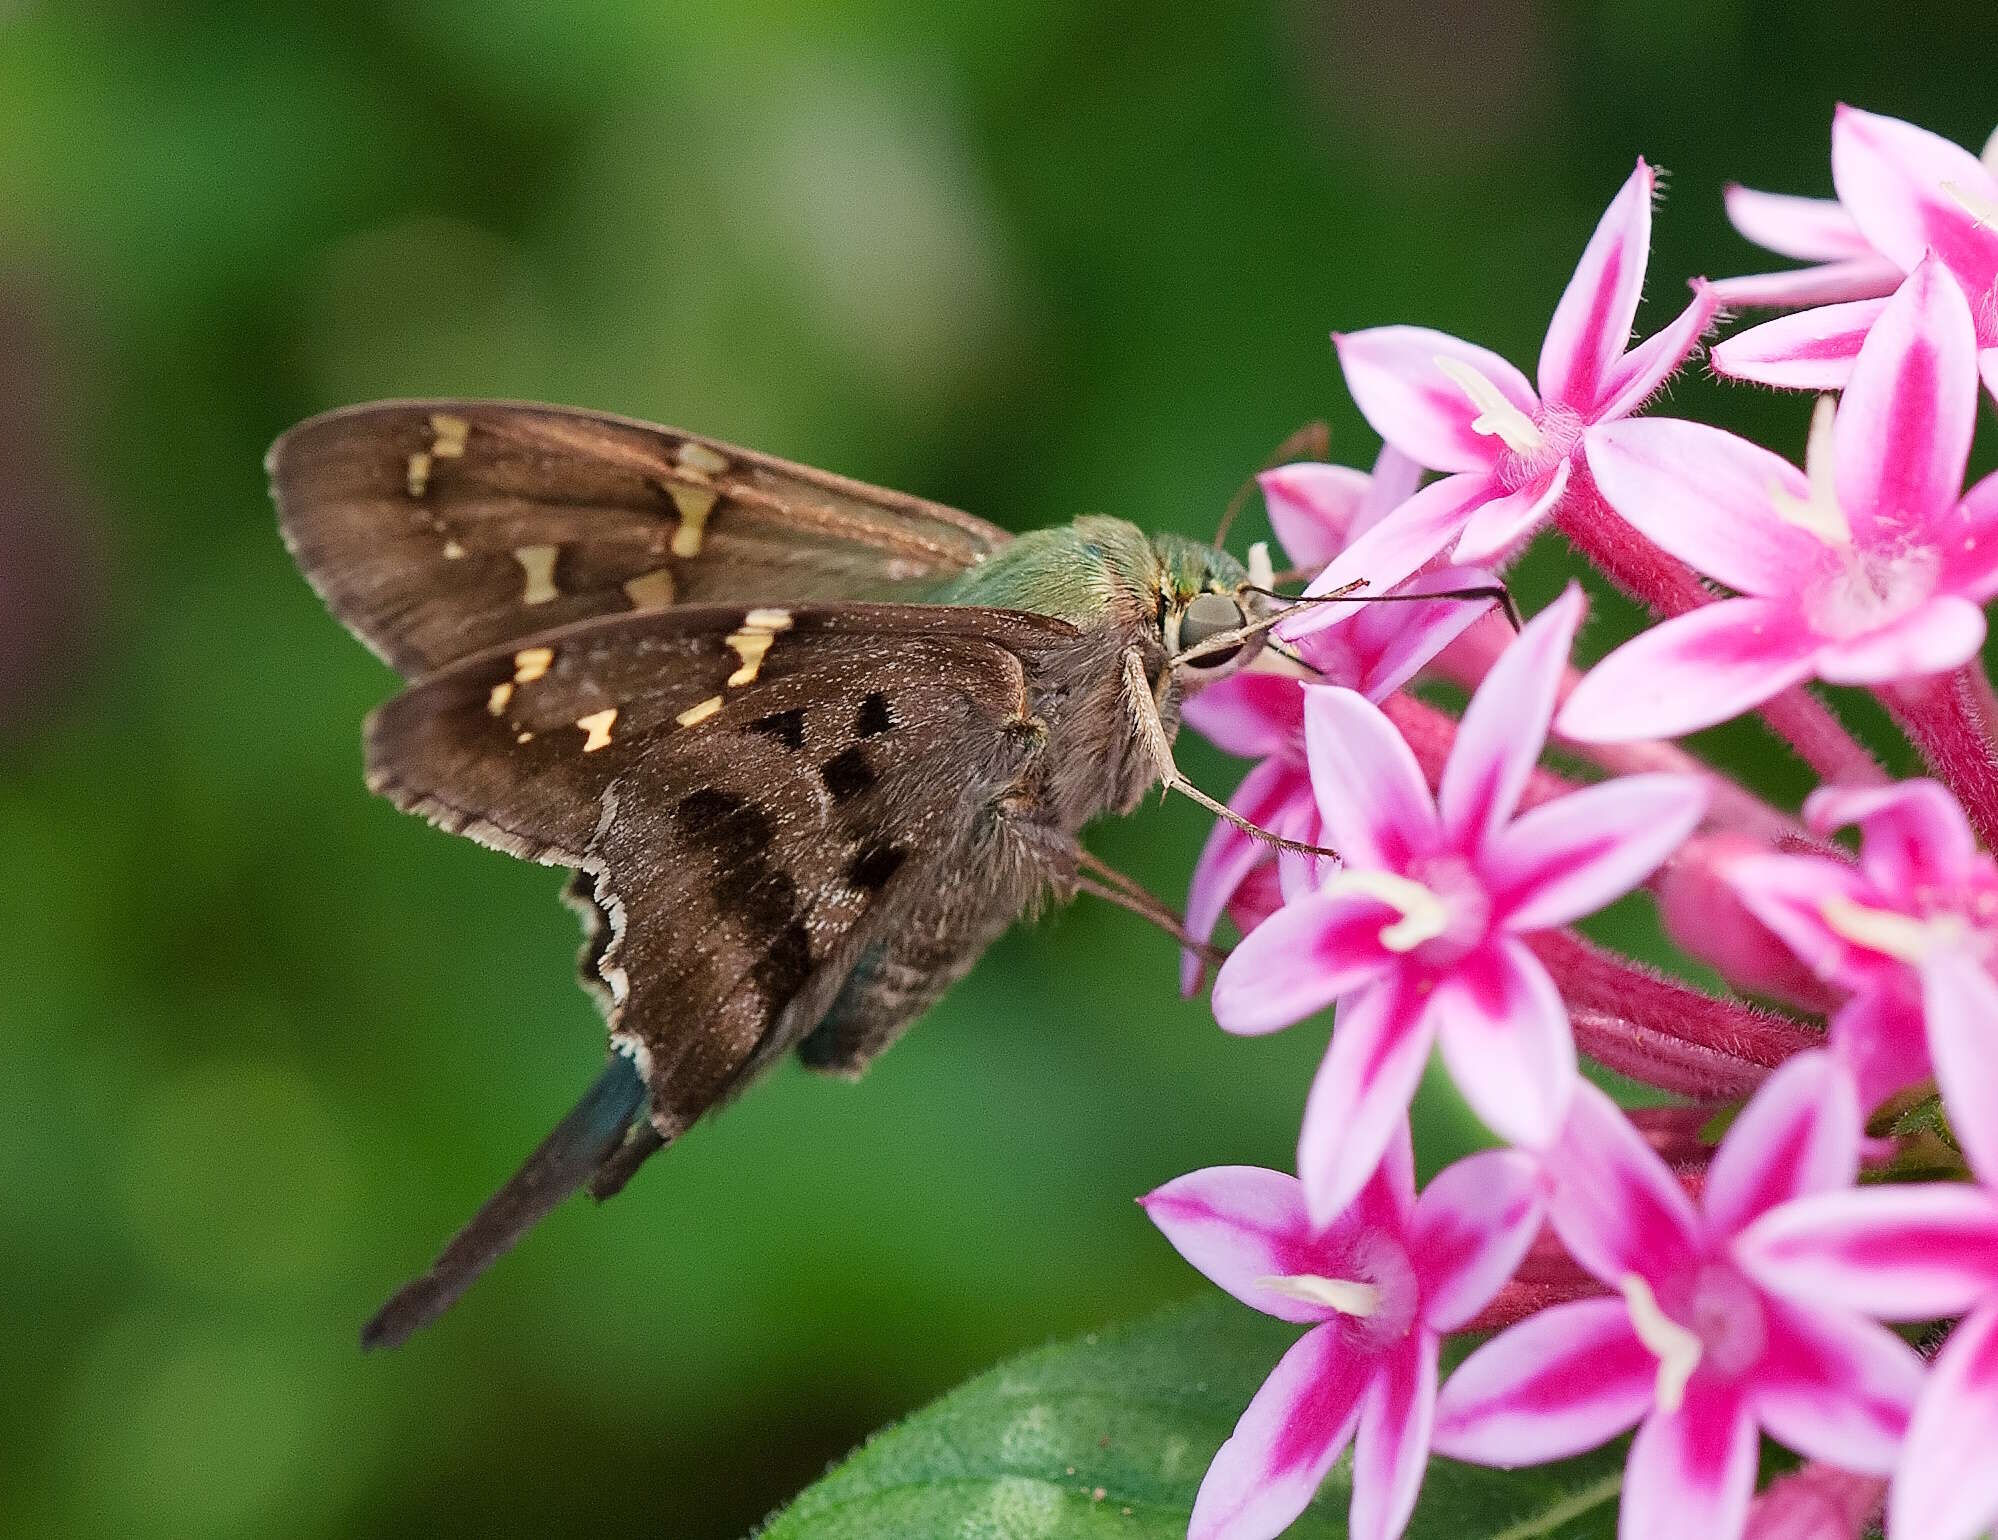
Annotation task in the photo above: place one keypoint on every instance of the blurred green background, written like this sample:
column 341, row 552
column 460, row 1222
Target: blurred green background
column 264, row 1043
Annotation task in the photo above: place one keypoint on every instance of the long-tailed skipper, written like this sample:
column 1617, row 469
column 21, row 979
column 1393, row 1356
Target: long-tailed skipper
column 807, row 746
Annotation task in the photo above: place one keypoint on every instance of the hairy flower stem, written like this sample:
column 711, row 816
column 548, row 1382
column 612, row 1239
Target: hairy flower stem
column 1670, row 587
column 1663, row 1033
column 1945, row 718
column 1520, row 1299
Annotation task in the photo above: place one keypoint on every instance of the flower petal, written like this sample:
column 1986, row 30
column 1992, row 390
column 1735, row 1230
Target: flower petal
column 1392, row 1450
column 1811, row 350
column 1314, row 508
column 1690, row 672
column 1880, row 1034
column 1894, row 178
column 1504, row 522
column 1504, row 1032
column 1788, row 894
column 1799, row 1134
column 1591, row 325
column 1473, row 1225
column 1960, row 1000
column 1943, row 634
column 1371, row 795
column 1301, row 959
column 1563, row 1380
column 1239, row 1225
column 1409, row 401
column 1359, row 1098
column 1835, row 1387
column 1615, row 1206
column 1572, row 856
column 1829, row 283
column 1946, row 1487
column 1915, row 834
column 1809, row 229
column 1290, row 1436
column 1250, row 714
column 1636, row 377
column 1901, row 438
column 1691, row 1471
column 1505, row 725
column 1706, row 497
column 1388, row 644
column 1908, row 1252
column 1230, row 854
column 1404, row 541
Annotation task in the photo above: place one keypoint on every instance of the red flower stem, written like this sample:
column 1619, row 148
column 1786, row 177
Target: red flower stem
column 1666, row 1034
column 1520, row 1299
column 1944, row 716
column 1670, row 587
column 1675, row 1133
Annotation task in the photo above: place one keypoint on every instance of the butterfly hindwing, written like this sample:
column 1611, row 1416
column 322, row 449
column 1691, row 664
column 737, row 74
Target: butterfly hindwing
column 436, row 529
column 758, row 800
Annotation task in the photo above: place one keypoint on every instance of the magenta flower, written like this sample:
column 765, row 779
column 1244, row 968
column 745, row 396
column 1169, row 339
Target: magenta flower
column 1509, row 452
column 1911, row 932
column 1417, row 935
column 1908, row 194
column 1316, row 511
column 1382, row 1286
column 1701, row 1350
column 1869, row 568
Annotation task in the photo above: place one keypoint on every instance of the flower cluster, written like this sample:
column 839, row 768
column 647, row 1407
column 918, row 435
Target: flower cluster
column 1826, row 1272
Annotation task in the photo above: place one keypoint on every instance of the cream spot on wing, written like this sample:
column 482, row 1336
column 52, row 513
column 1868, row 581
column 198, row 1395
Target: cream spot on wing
column 700, row 712
column 450, row 433
column 452, row 550
column 524, row 738
column 698, row 457
column 530, row 663
column 695, row 504
column 750, row 646
column 496, row 702
column 419, row 473
column 597, row 725
column 538, row 563
column 650, row 590
column 767, row 620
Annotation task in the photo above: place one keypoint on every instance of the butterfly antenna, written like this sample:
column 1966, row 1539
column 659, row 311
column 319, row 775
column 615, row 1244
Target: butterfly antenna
column 1313, row 441
column 563, row 1162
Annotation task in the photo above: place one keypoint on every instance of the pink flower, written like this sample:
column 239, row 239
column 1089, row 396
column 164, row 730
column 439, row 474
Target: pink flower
column 1911, row 932
column 1907, row 193
column 1509, row 452
column 1914, row 1253
column 1382, row 1286
column 1701, row 1350
column 1870, row 568
column 1417, row 934
column 1316, row 510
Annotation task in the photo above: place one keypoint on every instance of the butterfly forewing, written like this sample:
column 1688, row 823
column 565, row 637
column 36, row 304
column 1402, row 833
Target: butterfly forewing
column 757, row 798
column 436, row 529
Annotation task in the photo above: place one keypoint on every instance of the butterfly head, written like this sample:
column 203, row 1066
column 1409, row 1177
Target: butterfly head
column 1211, row 618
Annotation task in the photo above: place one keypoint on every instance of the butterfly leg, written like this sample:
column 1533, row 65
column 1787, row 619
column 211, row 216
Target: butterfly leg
column 1141, row 697
column 1107, row 883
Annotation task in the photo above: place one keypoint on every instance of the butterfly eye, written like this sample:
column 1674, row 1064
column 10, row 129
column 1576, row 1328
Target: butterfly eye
column 1210, row 615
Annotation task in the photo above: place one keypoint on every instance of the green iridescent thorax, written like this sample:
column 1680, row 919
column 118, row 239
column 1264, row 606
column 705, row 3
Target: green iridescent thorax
column 1094, row 570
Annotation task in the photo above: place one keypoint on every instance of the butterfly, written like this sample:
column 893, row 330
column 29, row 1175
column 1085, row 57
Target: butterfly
column 806, row 746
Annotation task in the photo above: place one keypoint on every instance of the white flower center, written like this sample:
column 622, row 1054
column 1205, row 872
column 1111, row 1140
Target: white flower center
column 1497, row 416
column 1982, row 210
column 1676, row 1348
column 1871, row 588
column 1377, row 1294
column 1341, row 1294
column 1818, row 512
column 1424, row 915
column 1907, row 938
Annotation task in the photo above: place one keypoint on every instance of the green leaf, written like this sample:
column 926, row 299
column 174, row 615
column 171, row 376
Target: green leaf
column 1109, row 1435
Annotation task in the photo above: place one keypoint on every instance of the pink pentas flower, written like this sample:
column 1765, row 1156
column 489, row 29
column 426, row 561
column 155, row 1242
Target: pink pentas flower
column 1869, row 567
column 1510, row 452
column 1700, row 1350
column 1914, row 1253
column 1907, row 194
column 1316, row 510
column 1380, row 1286
column 1417, row 934
column 1911, row 932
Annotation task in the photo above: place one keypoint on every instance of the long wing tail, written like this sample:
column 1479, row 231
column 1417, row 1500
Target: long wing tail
column 563, row 1162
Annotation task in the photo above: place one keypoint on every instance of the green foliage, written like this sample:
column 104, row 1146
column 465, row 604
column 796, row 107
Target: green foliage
column 1110, row 1434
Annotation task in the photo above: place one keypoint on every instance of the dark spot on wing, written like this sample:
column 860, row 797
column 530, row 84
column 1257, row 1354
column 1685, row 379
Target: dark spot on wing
column 847, row 775
column 873, row 717
column 874, row 865
column 783, row 970
column 787, row 727
column 762, row 900
column 731, row 830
